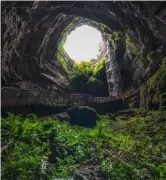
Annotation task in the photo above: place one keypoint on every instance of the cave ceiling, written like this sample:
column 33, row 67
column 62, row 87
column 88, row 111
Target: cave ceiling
column 30, row 33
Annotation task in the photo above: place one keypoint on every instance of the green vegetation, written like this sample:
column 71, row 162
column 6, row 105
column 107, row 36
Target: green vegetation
column 87, row 77
column 88, row 69
column 115, row 38
column 63, row 63
column 118, row 38
column 84, row 68
column 131, row 49
column 132, row 149
column 162, row 100
column 60, row 47
column 153, row 91
column 150, row 57
column 98, row 68
column 65, row 66
column 96, row 24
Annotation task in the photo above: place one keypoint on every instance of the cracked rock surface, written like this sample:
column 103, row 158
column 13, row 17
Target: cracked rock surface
column 31, row 32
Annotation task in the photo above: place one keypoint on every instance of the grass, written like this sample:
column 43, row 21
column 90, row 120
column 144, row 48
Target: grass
column 131, row 149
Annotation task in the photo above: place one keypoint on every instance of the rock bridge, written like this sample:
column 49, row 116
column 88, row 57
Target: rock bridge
column 19, row 97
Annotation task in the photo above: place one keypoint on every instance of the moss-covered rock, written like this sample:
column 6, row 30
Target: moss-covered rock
column 153, row 92
column 150, row 57
column 83, row 116
column 162, row 99
column 115, row 39
column 143, row 98
column 131, row 48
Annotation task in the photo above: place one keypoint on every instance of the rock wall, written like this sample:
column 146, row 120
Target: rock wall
column 113, row 73
column 31, row 32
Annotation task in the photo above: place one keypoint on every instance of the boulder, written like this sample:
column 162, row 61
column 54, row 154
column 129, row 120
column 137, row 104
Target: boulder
column 83, row 116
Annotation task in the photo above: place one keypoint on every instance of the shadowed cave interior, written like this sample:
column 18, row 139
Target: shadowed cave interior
column 99, row 119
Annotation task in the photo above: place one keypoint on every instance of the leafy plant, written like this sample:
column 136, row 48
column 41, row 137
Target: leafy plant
column 86, row 77
column 131, row 149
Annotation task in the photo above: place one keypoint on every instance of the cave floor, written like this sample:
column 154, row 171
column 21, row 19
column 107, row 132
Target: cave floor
column 129, row 144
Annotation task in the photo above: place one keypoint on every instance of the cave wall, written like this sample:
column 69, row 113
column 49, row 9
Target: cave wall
column 31, row 32
column 29, row 41
column 113, row 73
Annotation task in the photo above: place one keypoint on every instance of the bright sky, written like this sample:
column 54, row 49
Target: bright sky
column 82, row 43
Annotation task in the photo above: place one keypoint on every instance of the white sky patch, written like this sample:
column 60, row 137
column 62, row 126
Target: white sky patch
column 83, row 43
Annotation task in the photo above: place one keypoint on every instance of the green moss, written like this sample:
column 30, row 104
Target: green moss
column 143, row 98
column 101, row 25
column 60, row 49
column 115, row 38
column 150, row 57
column 162, row 99
column 60, row 46
column 60, row 58
column 99, row 66
column 63, row 63
column 82, row 67
column 130, row 44
column 155, row 98
column 153, row 90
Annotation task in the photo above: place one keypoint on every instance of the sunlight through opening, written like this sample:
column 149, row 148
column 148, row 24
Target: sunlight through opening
column 84, row 43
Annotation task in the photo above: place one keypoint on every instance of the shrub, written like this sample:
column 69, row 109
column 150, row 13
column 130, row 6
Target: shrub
column 99, row 67
column 86, row 78
column 83, row 67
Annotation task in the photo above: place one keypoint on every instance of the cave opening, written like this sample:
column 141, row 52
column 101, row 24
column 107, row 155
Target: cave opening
column 84, row 44
column 81, row 53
